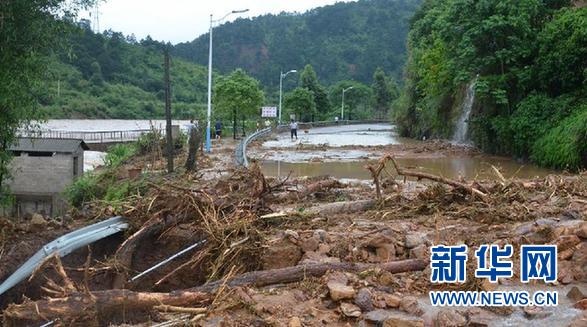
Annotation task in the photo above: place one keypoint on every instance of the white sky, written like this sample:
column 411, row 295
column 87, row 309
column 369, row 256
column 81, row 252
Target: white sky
column 184, row 20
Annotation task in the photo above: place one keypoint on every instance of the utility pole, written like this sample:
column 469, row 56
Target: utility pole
column 168, row 131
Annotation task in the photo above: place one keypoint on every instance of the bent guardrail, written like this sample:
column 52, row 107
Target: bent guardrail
column 64, row 245
column 241, row 149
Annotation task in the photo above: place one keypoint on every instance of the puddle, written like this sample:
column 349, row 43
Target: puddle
column 451, row 167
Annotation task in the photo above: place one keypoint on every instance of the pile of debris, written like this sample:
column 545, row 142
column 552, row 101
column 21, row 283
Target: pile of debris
column 250, row 250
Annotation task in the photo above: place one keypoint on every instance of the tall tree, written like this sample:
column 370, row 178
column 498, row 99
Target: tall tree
column 382, row 91
column 309, row 80
column 300, row 102
column 237, row 96
column 29, row 30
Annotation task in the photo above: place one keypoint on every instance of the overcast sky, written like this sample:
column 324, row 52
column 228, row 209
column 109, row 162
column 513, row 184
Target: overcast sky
column 183, row 20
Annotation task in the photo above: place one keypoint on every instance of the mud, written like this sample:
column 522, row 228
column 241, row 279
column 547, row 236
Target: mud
column 254, row 222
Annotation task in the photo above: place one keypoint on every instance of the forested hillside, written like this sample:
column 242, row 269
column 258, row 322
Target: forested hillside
column 112, row 76
column 527, row 61
column 342, row 41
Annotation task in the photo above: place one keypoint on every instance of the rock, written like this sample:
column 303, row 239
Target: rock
column 281, row 254
column 566, row 242
column 324, row 248
column 309, row 245
column 536, row 313
column 294, row 322
column 392, row 300
column 363, row 300
column 339, row 291
column 292, row 234
column 316, row 257
column 450, row 318
column 419, row 252
column 487, row 286
column 386, row 252
column 383, row 245
column 582, row 231
column 575, row 294
column 414, row 239
column 350, row 310
column 410, row 305
column 37, row 220
column 387, row 279
column 377, row 316
column 581, row 305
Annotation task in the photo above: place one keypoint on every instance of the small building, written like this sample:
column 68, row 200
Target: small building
column 40, row 170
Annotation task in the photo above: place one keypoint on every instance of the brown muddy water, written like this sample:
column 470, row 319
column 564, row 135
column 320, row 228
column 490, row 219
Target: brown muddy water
column 470, row 168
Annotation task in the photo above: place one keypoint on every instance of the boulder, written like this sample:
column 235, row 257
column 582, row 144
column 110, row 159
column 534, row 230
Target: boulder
column 310, row 244
column 419, row 252
column 582, row 231
column 414, row 239
column 450, row 318
column 340, row 291
column 294, row 322
column 581, row 305
column 575, row 294
column 363, row 299
column 410, row 305
column 536, row 312
column 350, row 310
column 281, row 254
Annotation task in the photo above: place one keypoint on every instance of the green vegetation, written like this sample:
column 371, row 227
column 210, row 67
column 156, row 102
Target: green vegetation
column 105, row 183
column 29, row 31
column 111, row 76
column 299, row 102
column 530, row 57
column 237, row 96
column 347, row 40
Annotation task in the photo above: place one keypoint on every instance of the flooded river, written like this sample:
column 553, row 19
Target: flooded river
column 283, row 156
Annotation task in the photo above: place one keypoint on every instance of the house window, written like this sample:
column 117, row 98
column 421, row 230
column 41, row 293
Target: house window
column 75, row 166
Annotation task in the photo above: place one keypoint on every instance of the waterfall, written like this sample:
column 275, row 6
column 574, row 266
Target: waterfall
column 461, row 132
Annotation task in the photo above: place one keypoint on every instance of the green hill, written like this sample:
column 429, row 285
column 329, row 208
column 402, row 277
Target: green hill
column 342, row 42
column 111, row 76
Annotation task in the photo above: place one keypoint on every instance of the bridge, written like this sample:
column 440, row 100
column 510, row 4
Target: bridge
column 96, row 140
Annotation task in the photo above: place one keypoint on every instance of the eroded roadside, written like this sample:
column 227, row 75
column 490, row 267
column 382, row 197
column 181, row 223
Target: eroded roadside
column 326, row 252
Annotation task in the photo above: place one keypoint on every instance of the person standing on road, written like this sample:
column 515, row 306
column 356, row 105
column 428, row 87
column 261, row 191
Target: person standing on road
column 218, row 130
column 293, row 127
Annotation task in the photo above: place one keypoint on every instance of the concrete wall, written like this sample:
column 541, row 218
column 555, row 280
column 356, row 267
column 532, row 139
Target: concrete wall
column 37, row 183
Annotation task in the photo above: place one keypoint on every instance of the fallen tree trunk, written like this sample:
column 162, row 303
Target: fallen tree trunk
column 102, row 307
column 342, row 207
column 439, row 179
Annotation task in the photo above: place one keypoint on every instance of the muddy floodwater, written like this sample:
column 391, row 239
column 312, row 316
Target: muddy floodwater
column 469, row 168
column 282, row 156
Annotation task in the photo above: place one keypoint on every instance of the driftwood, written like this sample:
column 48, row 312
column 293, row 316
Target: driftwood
column 106, row 305
column 439, row 179
column 342, row 207
column 375, row 171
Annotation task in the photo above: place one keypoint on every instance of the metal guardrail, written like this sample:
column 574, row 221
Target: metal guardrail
column 241, row 149
column 64, row 245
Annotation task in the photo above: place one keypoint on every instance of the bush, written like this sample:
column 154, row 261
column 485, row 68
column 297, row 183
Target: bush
column 84, row 189
column 117, row 154
column 565, row 146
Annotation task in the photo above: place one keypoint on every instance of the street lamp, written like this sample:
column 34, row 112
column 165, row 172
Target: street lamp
column 212, row 21
column 281, row 77
column 342, row 108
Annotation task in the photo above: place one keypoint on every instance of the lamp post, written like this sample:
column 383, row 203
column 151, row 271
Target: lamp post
column 342, row 108
column 212, row 21
column 281, row 77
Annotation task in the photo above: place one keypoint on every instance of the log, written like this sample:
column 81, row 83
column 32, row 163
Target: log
column 439, row 179
column 342, row 207
column 105, row 306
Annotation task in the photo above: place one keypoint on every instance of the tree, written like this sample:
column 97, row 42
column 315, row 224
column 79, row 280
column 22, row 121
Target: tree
column 300, row 102
column 309, row 80
column 237, row 96
column 357, row 101
column 385, row 91
column 29, row 31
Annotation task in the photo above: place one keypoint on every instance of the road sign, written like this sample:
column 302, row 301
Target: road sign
column 268, row 111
